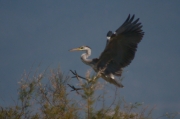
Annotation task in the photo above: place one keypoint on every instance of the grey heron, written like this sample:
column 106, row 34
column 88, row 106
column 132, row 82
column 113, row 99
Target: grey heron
column 119, row 51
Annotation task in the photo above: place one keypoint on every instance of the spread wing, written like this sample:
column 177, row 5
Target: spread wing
column 121, row 48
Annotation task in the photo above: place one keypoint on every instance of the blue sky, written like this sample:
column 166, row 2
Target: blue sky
column 42, row 32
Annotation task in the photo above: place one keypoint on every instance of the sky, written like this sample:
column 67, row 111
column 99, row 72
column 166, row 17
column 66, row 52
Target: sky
column 34, row 33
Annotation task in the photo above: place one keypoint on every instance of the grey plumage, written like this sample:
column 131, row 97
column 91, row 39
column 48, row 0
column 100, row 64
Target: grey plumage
column 119, row 51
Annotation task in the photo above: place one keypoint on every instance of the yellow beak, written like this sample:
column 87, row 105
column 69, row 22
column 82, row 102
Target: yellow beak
column 75, row 49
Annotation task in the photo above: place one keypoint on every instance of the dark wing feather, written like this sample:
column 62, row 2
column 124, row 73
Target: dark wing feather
column 121, row 48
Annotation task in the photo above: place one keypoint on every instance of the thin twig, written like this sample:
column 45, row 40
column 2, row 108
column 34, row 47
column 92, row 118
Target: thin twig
column 74, row 88
column 76, row 75
column 112, row 102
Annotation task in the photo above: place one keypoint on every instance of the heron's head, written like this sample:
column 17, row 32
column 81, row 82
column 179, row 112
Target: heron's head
column 82, row 48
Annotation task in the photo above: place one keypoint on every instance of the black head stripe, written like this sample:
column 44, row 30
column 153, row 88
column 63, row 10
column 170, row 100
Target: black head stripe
column 88, row 47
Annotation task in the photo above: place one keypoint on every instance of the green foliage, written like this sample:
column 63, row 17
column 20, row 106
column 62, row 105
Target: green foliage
column 46, row 95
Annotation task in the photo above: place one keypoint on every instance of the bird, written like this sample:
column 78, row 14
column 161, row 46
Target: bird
column 119, row 51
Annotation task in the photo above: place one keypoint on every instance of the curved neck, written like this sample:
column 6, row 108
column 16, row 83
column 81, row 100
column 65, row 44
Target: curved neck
column 85, row 55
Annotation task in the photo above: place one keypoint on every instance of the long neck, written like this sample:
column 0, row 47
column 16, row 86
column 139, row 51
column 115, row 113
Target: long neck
column 85, row 55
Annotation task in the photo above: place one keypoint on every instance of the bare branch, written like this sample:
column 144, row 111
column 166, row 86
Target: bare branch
column 76, row 75
column 74, row 88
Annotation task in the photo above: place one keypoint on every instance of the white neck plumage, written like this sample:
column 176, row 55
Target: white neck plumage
column 85, row 55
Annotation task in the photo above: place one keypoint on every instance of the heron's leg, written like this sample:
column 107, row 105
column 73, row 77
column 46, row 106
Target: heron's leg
column 102, row 70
